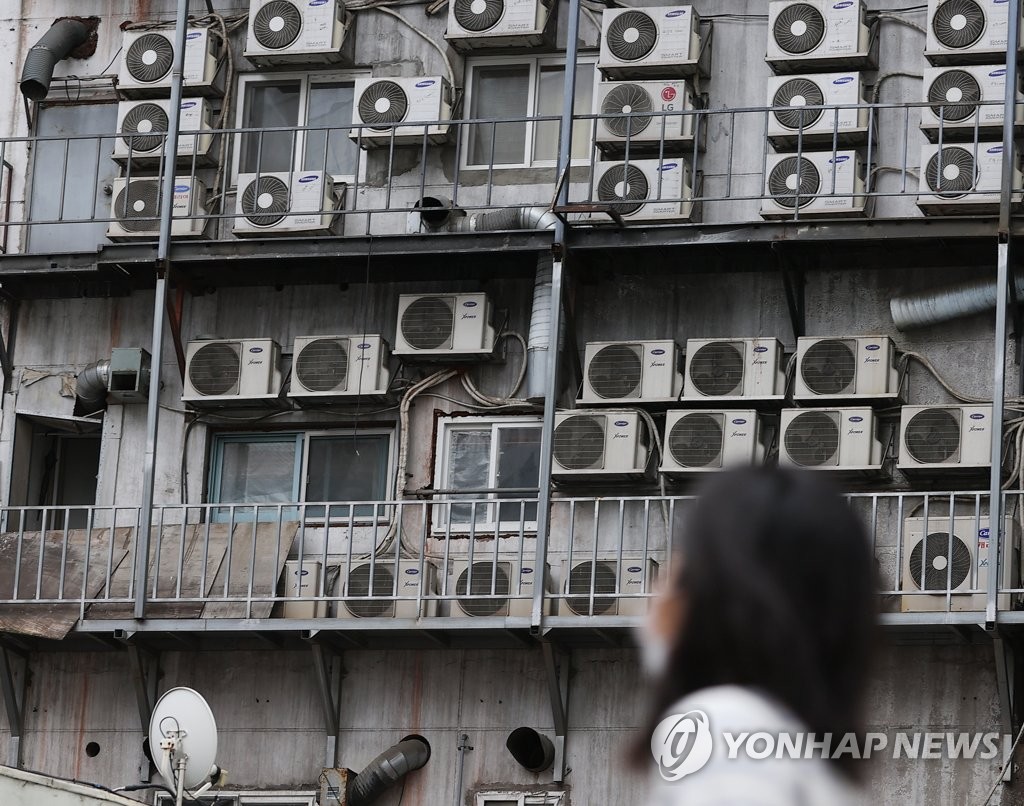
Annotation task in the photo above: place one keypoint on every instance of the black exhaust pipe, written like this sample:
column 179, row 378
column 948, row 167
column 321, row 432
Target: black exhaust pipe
column 56, row 44
column 388, row 769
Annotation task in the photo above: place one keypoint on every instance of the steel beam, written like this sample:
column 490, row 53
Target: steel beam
column 145, row 673
column 13, row 681
column 557, row 667
column 1005, row 683
column 327, row 665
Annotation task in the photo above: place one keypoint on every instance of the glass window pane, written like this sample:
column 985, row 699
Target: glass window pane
column 330, row 105
column 347, row 468
column 257, row 471
column 518, row 463
column 501, row 91
column 549, row 102
column 469, row 468
column 269, row 106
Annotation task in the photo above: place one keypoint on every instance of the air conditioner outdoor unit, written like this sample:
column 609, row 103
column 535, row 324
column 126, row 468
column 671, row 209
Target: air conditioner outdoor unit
column 946, row 438
column 641, row 371
column 830, row 439
column 966, row 31
column 381, row 103
column 444, row 326
column 610, row 586
column 598, row 442
column 811, row 35
column 646, row 190
column 142, row 127
column 966, row 100
column 734, row 368
column 939, row 562
column 505, row 586
column 221, row 371
column 841, row 112
column 148, row 56
column 704, row 441
column 964, row 178
column 339, row 366
column 302, row 583
column 282, row 203
column 818, row 184
column 295, row 31
column 846, row 368
column 651, row 42
column 135, row 208
column 631, row 113
column 474, row 24
column 373, row 589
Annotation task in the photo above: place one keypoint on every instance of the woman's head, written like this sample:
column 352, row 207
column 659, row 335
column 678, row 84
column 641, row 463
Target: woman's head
column 774, row 588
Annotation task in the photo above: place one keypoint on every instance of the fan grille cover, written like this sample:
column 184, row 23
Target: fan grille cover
column 137, row 206
column 958, row 24
column 626, row 99
column 931, row 564
column 478, row 15
column 829, row 367
column 626, row 189
column 951, row 172
column 216, row 368
column 954, row 87
column 631, row 36
column 696, row 440
column 799, row 29
column 383, row 102
column 616, row 371
column 362, row 588
column 933, row 436
column 791, row 179
column 322, row 366
column 579, row 588
column 796, row 94
column 428, row 323
column 812, row 439
column 277, row 24
column 479, row 583
column 579, row 442
column 716, row 369
column 149, row 58
column 265, row 201
column 143, row 127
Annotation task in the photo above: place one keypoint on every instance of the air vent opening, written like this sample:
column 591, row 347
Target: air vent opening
column 137, row 205
column 478, row 16
column 932, row 436
column 265, row 201
column 578, row 442
column 616, row 372
column 696, row 440
column 716, row 369
column 954, row 87
column 277, row 25
column 933, row 566
column 322, row 366
column 381, row 103
column 793, row 182
column 626, row 188
column 364, row 586
column 627, row 99
column 799, row 29
column 829, row 367
column 796, row 94
column 631, row 36
column 144, row 127
column 951, row 172
column 215, row 369
column 428, row 323
column 958, row 24
column 484, row 579
column 149, row 58
column 579, row 588
column 812, row 439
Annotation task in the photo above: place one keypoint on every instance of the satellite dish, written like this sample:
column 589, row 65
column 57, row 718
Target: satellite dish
column 183, row 737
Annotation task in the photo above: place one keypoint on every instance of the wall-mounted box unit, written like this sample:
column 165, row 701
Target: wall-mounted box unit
column 648, row 115
column 964, row 179
column 339, row 366
column 135, row 208
column 746, row 369
column 946, row 439
column 830, row 439
column 301, row 587
column 601, row 443
column 846, row 368
column 283, row 203
column 479, row 24
column 966, row 102
column 821, row 184
column 701, row 441
column 841, row 112
column 812, row 35
column 382, row 104
column 631, row 372
column 651, row 42
column 444, row 327
column 610, row 586
column 966, row 31
column 505, row 587
column 128, row 380
column 148, row 56
column 142, row 127
column 645, row 190
column 225, row 371
column 296, row 31
column 377, row 589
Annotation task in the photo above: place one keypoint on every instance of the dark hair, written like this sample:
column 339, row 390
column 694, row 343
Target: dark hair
column 777, row 582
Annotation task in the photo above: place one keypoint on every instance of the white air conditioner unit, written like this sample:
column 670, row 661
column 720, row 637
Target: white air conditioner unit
column 505, row 587
column 946, row 438
column 940, row 562
column 339, row 366
column 844, row 116
column 148, row 56
column 302, row 583
column 821, row 184
column 282, row 203
column 702, row 441
column 382, row 103
column 734, row 368
column 373, row 589
column 964, row 178
column 830, row 439
column 142, row 127
column 965, row 100
column 651, row 42
column 631, row 112
column 295, row 31
column 608, row 586
column 966, row 31
column 135, row 208
column 645, row 190
column 474, row 24
column 639, row 371
column 811, row 35
column 597, row 442
column 846, row 368
column 444, row 326
column 222, row 371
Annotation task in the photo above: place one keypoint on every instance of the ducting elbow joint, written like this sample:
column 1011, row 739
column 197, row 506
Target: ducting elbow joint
column 92, row 383
column 56, row 44
column 387, row 769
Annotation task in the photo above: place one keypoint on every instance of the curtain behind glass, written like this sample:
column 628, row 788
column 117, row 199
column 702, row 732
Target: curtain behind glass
column 549, row 102
column 269, row 106
column 501, row 91
column 330, row 105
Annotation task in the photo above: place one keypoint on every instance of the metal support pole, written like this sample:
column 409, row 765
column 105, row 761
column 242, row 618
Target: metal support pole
column 556, row 667
column 461, row 748
column 327, row 665
column 13, row 684
column 168, row 168
column 1005, row 676
column 145, row 671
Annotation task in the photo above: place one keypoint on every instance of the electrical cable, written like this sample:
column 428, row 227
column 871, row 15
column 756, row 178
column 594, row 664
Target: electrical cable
column 1009, row 760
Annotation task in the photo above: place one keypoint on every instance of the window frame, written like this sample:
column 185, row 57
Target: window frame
column 535, row 64
column 283, row 798
column 542, row 798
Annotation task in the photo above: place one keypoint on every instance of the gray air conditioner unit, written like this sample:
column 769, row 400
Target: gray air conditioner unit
column 477, row 24
column 281, row 203
column 814, row 109
column 651, row 42
column 148, row 56
column 965, row 102
column 142, row 127
column 597, row 442
column 296, row 31
column 812, row 35
column 705, row 441
column 621, row 372
column 964, row 179
column 502, row 587
column 135, row 209
column 645, row 114
column 946, row 439
column 966, row 31
column 444, row 327
column 379, row 589
column 846, row 368
column 830, row 439
column 339, row 366
column 224, row 371
column 610, row 586
column 645, row 190
column 382, row 105
column 734, row 368
column 816, row 184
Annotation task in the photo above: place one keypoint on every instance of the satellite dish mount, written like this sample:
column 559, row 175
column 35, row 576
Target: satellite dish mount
column 184, row 732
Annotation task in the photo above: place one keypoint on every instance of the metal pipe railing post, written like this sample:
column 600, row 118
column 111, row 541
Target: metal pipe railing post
column 168, row 170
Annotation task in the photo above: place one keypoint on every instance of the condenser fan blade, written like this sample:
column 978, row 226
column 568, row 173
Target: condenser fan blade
column 626, row 188
column 812, row 439
column 478, row 15
column 383, row 102
column 958, row 24
column 137, row 206
column 796, row 94
column 951, row 172
column 799, row 28
column 954, row 87
column 277, row 25
column 696, row 440
column 265, row 201
column 627, row 99
column 149, row 58
column 615, row 372
column 829, row 367
column 933, row 436
column 632, row 35
column 934, row 567
column 793, row 182
column 144, row 127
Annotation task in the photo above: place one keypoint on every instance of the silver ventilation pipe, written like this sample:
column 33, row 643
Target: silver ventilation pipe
column 91, row 384
column 539, row 340
column 943, row 304
column 509, row 218
column 388, row 769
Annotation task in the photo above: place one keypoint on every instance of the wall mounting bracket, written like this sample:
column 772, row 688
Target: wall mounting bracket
column 557, row 666
column 14, row 673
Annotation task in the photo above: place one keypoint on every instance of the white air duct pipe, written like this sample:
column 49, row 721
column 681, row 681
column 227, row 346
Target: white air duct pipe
column 942, row 305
